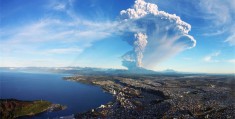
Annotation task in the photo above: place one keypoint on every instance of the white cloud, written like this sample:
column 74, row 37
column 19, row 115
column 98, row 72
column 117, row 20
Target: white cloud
column 218, row 10
column 50, row 31
column 63, row 51
column 52, row 36
column 59, row 6
column 219, row 32
column 210, row 57
column 165, row 35
column 231, row 61
column 231, row 38
column 38, row 62
column 57, row 36
column 75, row 35
column 221, row 15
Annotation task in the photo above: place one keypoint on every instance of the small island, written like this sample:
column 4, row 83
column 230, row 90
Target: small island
column 12, row 108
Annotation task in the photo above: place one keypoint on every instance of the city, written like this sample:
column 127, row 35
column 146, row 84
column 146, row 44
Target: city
column 163, row 96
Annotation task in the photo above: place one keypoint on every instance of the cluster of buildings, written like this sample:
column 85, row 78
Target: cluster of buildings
column 167, row 98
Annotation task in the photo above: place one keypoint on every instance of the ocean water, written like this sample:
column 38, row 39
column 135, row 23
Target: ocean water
column 51, row 87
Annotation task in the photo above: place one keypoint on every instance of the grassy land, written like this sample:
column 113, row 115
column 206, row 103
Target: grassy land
column 14, row 108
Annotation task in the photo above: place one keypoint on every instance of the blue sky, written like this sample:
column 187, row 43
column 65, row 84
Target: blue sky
column 57, row 33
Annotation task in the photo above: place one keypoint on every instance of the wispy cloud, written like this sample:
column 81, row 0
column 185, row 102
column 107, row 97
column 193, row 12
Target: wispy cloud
column 219, row 11
column 231, row 38
column 210, row 57
column 54, row 31
column 63, row 51
column 219, row 32
column 60, row 5
column 221, row 14
column 231, row 61
column 51, row 35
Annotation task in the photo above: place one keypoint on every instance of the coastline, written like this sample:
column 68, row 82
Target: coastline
column 13, row 108
column 162, row 97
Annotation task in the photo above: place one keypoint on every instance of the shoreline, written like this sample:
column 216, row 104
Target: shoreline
column 162, row 97
column 13, row 108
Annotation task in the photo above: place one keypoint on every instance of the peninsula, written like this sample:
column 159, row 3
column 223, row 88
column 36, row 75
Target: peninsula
column 12, row 108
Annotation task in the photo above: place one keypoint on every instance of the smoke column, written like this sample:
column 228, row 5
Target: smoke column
column 154, row 35
column 139, row 45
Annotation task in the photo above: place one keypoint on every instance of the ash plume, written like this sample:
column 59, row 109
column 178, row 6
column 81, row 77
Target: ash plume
column 154, row 35
column 139, row 46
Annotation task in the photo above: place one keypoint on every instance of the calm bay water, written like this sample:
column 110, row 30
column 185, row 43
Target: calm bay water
column 51, row 87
